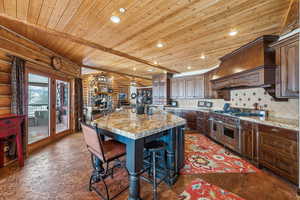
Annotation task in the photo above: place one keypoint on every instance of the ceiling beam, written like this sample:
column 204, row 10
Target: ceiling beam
column 111, row 71
column 93, row 45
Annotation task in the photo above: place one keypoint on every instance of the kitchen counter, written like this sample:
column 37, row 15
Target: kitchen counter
column 134, row 126
column 188, row 108
column 271, row 121
column 277, row 122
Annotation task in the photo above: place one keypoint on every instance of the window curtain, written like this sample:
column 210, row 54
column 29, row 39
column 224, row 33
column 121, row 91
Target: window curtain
column 18, row 100
column 78, row 103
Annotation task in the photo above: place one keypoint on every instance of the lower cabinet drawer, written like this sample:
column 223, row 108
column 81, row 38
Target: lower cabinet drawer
column 279, row 164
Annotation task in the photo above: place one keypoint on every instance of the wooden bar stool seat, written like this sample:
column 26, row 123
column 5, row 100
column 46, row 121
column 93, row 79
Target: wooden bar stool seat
column 102, row 154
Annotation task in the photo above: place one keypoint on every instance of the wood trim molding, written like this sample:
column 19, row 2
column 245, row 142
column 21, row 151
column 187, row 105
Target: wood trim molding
column 110, row 71
column 270, row 38
column 93, row 45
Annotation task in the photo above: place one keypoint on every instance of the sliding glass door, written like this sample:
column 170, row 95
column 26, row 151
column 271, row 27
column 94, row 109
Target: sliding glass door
column 48, row 107
column 62, row 106
column 38, row 107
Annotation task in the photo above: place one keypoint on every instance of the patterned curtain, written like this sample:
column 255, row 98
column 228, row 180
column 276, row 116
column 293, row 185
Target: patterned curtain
column 18, row 93
column 78, row 103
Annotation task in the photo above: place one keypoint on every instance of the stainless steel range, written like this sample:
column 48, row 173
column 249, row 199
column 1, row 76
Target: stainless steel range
column 226, row 129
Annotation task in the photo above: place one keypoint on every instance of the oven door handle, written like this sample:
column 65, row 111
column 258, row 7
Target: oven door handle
column 218, row 121
column 231, row 126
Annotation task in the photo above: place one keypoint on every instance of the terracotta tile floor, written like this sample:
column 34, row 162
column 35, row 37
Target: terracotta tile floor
column 61, row 171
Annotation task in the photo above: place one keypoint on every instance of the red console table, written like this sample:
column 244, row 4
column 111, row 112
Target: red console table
column 10, row 124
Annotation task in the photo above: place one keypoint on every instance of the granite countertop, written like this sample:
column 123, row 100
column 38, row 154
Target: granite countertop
column 271, row 121
column 134, row 126
column 274, row 121
column 189, row 108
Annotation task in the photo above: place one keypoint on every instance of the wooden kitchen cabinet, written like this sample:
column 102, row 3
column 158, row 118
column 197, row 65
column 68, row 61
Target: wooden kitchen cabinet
column 287, row 61
column 249, row 140
column 160, row 89
column 209, row 93
column 174, row 88
column 191, row 118
column 278, row 151
column 203, row 123
column 199, row 86
column 188, row 87
column 181, row 88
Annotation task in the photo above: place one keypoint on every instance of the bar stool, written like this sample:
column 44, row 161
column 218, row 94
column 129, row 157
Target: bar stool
column 102, row 154
column 156, row 150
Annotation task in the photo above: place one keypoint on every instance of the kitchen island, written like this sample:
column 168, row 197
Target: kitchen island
column 136, row 130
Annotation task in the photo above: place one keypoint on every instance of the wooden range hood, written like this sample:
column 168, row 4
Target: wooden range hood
column 252, row 65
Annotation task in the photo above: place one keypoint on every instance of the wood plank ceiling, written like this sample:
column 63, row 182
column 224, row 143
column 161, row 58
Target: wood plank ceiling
column 187, row 28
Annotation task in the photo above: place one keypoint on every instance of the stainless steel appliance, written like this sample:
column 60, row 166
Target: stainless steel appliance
column 226, row 130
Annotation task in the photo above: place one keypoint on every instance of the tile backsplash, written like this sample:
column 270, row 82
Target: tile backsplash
column 245, row 98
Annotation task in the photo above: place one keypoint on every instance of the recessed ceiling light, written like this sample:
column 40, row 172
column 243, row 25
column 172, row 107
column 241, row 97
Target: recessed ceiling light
column 155, row 62
column 115, row 19
column 134, row 69
column 189, row 67
column 159, row 45
column 233, row 33
column 150, row 70
column 122, row 10
column 202, row 56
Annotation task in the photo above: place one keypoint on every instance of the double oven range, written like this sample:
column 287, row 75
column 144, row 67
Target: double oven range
column 226, row 129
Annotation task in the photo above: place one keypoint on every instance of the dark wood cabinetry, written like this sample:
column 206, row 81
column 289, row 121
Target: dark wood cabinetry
column 196, row 120
column 209, row 93
column 161, row 89
column 278, row 151
column 271, row 147
column 188, row 87
column 287, row 61
column 249, row 140
column 191, row 118
column 258, row 77
column 203, row 123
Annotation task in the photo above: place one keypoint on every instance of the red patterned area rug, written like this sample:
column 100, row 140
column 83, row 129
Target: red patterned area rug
column 201, row 190
column 204, row 156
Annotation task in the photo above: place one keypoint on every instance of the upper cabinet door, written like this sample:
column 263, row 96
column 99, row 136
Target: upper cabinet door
column 181, row 88
column 174, row 88
column 287, row 60
column 155, row 87
column 162, row 87
column 290, row 70
column 190, row 88
column 199, row 87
